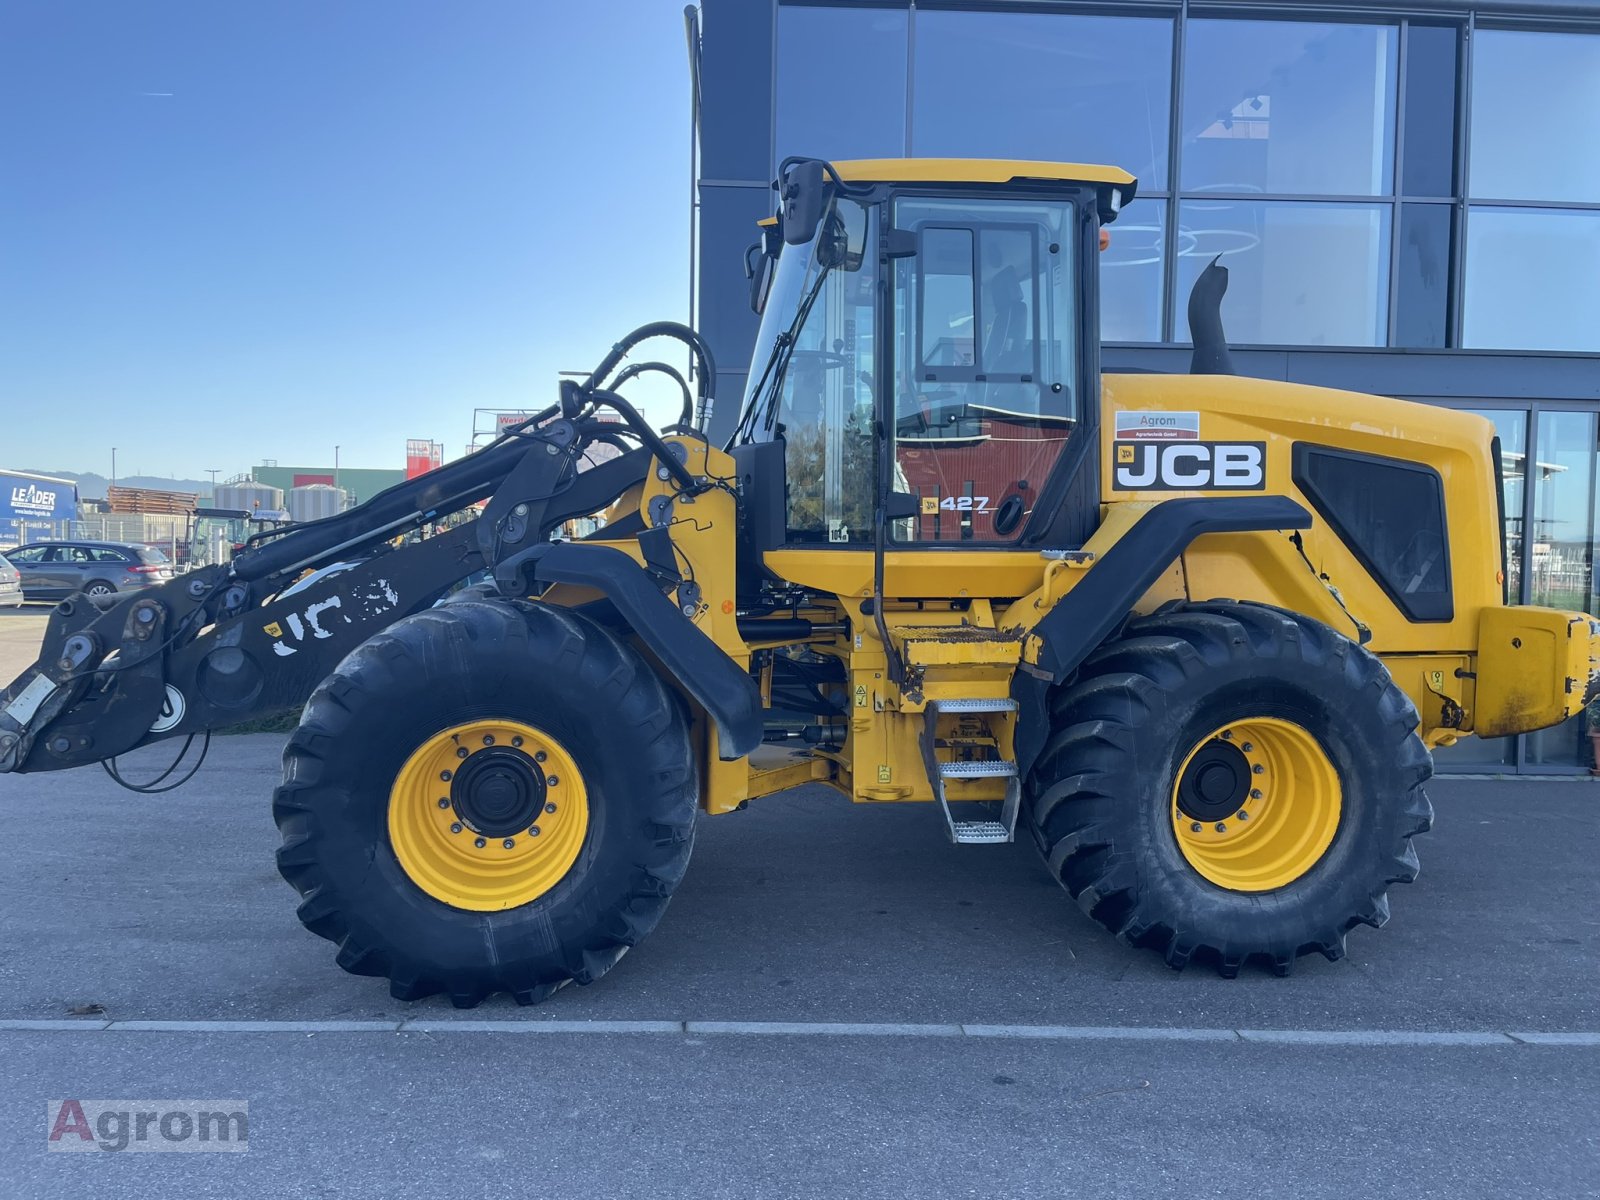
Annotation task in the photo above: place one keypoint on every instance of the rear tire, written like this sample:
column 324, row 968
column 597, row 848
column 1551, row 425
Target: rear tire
column 486, row 665
column 1124, row 824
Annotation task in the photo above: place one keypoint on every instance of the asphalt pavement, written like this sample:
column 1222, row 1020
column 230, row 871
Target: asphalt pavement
column 21, row 628
column 837, row 1002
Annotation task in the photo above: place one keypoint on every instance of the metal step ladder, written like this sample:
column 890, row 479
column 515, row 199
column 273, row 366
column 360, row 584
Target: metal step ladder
column 979, row 831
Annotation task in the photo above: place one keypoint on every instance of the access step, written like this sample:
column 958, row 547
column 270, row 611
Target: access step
column 971, row 832
column 977, row 768
column 978, row 705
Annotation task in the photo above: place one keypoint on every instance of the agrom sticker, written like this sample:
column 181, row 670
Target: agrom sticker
column 1185, row 466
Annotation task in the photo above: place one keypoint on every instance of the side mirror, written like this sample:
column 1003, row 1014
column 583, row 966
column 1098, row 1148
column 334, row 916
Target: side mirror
column 803, row 198
column 758, row 269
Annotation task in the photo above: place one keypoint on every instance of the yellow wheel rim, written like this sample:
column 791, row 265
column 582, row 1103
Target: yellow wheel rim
column 488, row 815
column 1256, row 804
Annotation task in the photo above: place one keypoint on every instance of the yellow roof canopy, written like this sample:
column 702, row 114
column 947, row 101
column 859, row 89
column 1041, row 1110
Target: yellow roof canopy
column 974, row 170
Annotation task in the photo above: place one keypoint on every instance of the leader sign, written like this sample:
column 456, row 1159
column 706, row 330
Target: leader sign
column 31, row 500
column 1189, row 466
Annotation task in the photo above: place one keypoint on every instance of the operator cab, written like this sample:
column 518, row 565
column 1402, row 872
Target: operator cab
column 950, row 304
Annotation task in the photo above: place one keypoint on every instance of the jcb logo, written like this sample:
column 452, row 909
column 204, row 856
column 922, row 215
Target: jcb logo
column 1189, row 466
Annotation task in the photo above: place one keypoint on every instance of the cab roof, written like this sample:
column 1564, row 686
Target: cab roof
column 975, row 170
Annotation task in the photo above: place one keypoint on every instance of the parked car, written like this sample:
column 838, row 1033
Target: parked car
column 10, row 585
column 55, row 570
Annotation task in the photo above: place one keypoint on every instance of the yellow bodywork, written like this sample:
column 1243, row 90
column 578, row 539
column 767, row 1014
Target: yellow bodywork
column 962, row 619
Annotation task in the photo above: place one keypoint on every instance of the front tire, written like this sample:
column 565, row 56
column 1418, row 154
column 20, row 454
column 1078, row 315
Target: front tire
column 1230, row 782
column 422, row 768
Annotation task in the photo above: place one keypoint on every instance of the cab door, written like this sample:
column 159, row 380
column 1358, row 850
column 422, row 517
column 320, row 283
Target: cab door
column 989, row 387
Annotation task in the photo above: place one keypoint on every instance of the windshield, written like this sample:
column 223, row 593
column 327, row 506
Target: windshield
column 812, row 377
column 793, row 332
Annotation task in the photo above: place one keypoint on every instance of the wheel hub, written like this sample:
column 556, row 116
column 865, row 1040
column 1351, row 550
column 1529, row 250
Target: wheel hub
column 488, row 815
column 498, row 792
column 1215, row 784
column 1256, row 804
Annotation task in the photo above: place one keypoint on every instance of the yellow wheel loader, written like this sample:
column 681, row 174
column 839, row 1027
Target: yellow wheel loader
column 1193, row 635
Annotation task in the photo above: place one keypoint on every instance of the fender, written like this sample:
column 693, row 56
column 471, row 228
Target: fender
column 1094, row 609
column 723, row 688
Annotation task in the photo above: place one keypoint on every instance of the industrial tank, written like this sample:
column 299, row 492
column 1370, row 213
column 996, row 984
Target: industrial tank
column 312, row 501
column 249, row 495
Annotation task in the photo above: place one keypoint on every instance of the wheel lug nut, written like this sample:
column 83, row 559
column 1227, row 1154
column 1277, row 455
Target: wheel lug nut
column 455, row 827
column 533, row 831
column 1258, row 769
column 509, row 842
column 444, row 802
column 1246, row 747
column 1227, row 735
column 538, row 756
column 1195, row 827
column 1255, row 793
column 552, row 781
column 445, row 775
column 1222, row 827
column 479, row 843
column 461, row 751
column 516, row 741
column 1242, row 815
column 488, row 739
column 549, row 808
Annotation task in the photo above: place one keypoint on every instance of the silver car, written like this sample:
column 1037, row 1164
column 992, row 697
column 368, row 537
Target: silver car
column 10, row 585
column 56, row 570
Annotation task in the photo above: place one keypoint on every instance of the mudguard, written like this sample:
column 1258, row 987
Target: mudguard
column 721, row 686
column 1093, row 610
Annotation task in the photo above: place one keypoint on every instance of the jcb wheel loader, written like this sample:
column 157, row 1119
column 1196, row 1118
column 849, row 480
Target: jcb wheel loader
column 1194, row 635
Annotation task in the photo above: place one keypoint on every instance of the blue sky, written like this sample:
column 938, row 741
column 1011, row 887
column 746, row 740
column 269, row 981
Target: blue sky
column 235, row 231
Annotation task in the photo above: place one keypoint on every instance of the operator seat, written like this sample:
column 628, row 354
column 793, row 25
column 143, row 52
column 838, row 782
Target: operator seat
column 1005, row 342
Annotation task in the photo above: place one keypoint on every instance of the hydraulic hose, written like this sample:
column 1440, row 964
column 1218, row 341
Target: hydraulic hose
column 633, row 370
column 705, row 363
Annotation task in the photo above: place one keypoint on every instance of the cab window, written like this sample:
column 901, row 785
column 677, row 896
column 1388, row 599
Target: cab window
column 986, row 362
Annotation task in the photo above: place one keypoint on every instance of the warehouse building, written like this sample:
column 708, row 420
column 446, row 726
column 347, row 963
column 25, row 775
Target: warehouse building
column 1407, row 197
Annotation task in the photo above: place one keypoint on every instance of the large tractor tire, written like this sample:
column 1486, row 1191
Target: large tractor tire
column 487, row 797
column 1229, row 783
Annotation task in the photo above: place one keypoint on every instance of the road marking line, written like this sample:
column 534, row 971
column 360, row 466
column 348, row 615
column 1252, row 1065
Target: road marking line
column 254, row 1026
column 1059, row 1033
column 823, row 1028
column 24, row 1026
column 1555, row 1039
column 1132, row 1033
column 1376, row 1037
column 535, row 1026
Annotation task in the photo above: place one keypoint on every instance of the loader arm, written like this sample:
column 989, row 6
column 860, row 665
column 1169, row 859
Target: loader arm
column 227, row 644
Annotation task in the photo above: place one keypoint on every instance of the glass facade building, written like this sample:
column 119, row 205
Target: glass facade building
column 1407, row 198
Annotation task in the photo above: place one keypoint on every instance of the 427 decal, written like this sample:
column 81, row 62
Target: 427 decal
column 931, row 506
